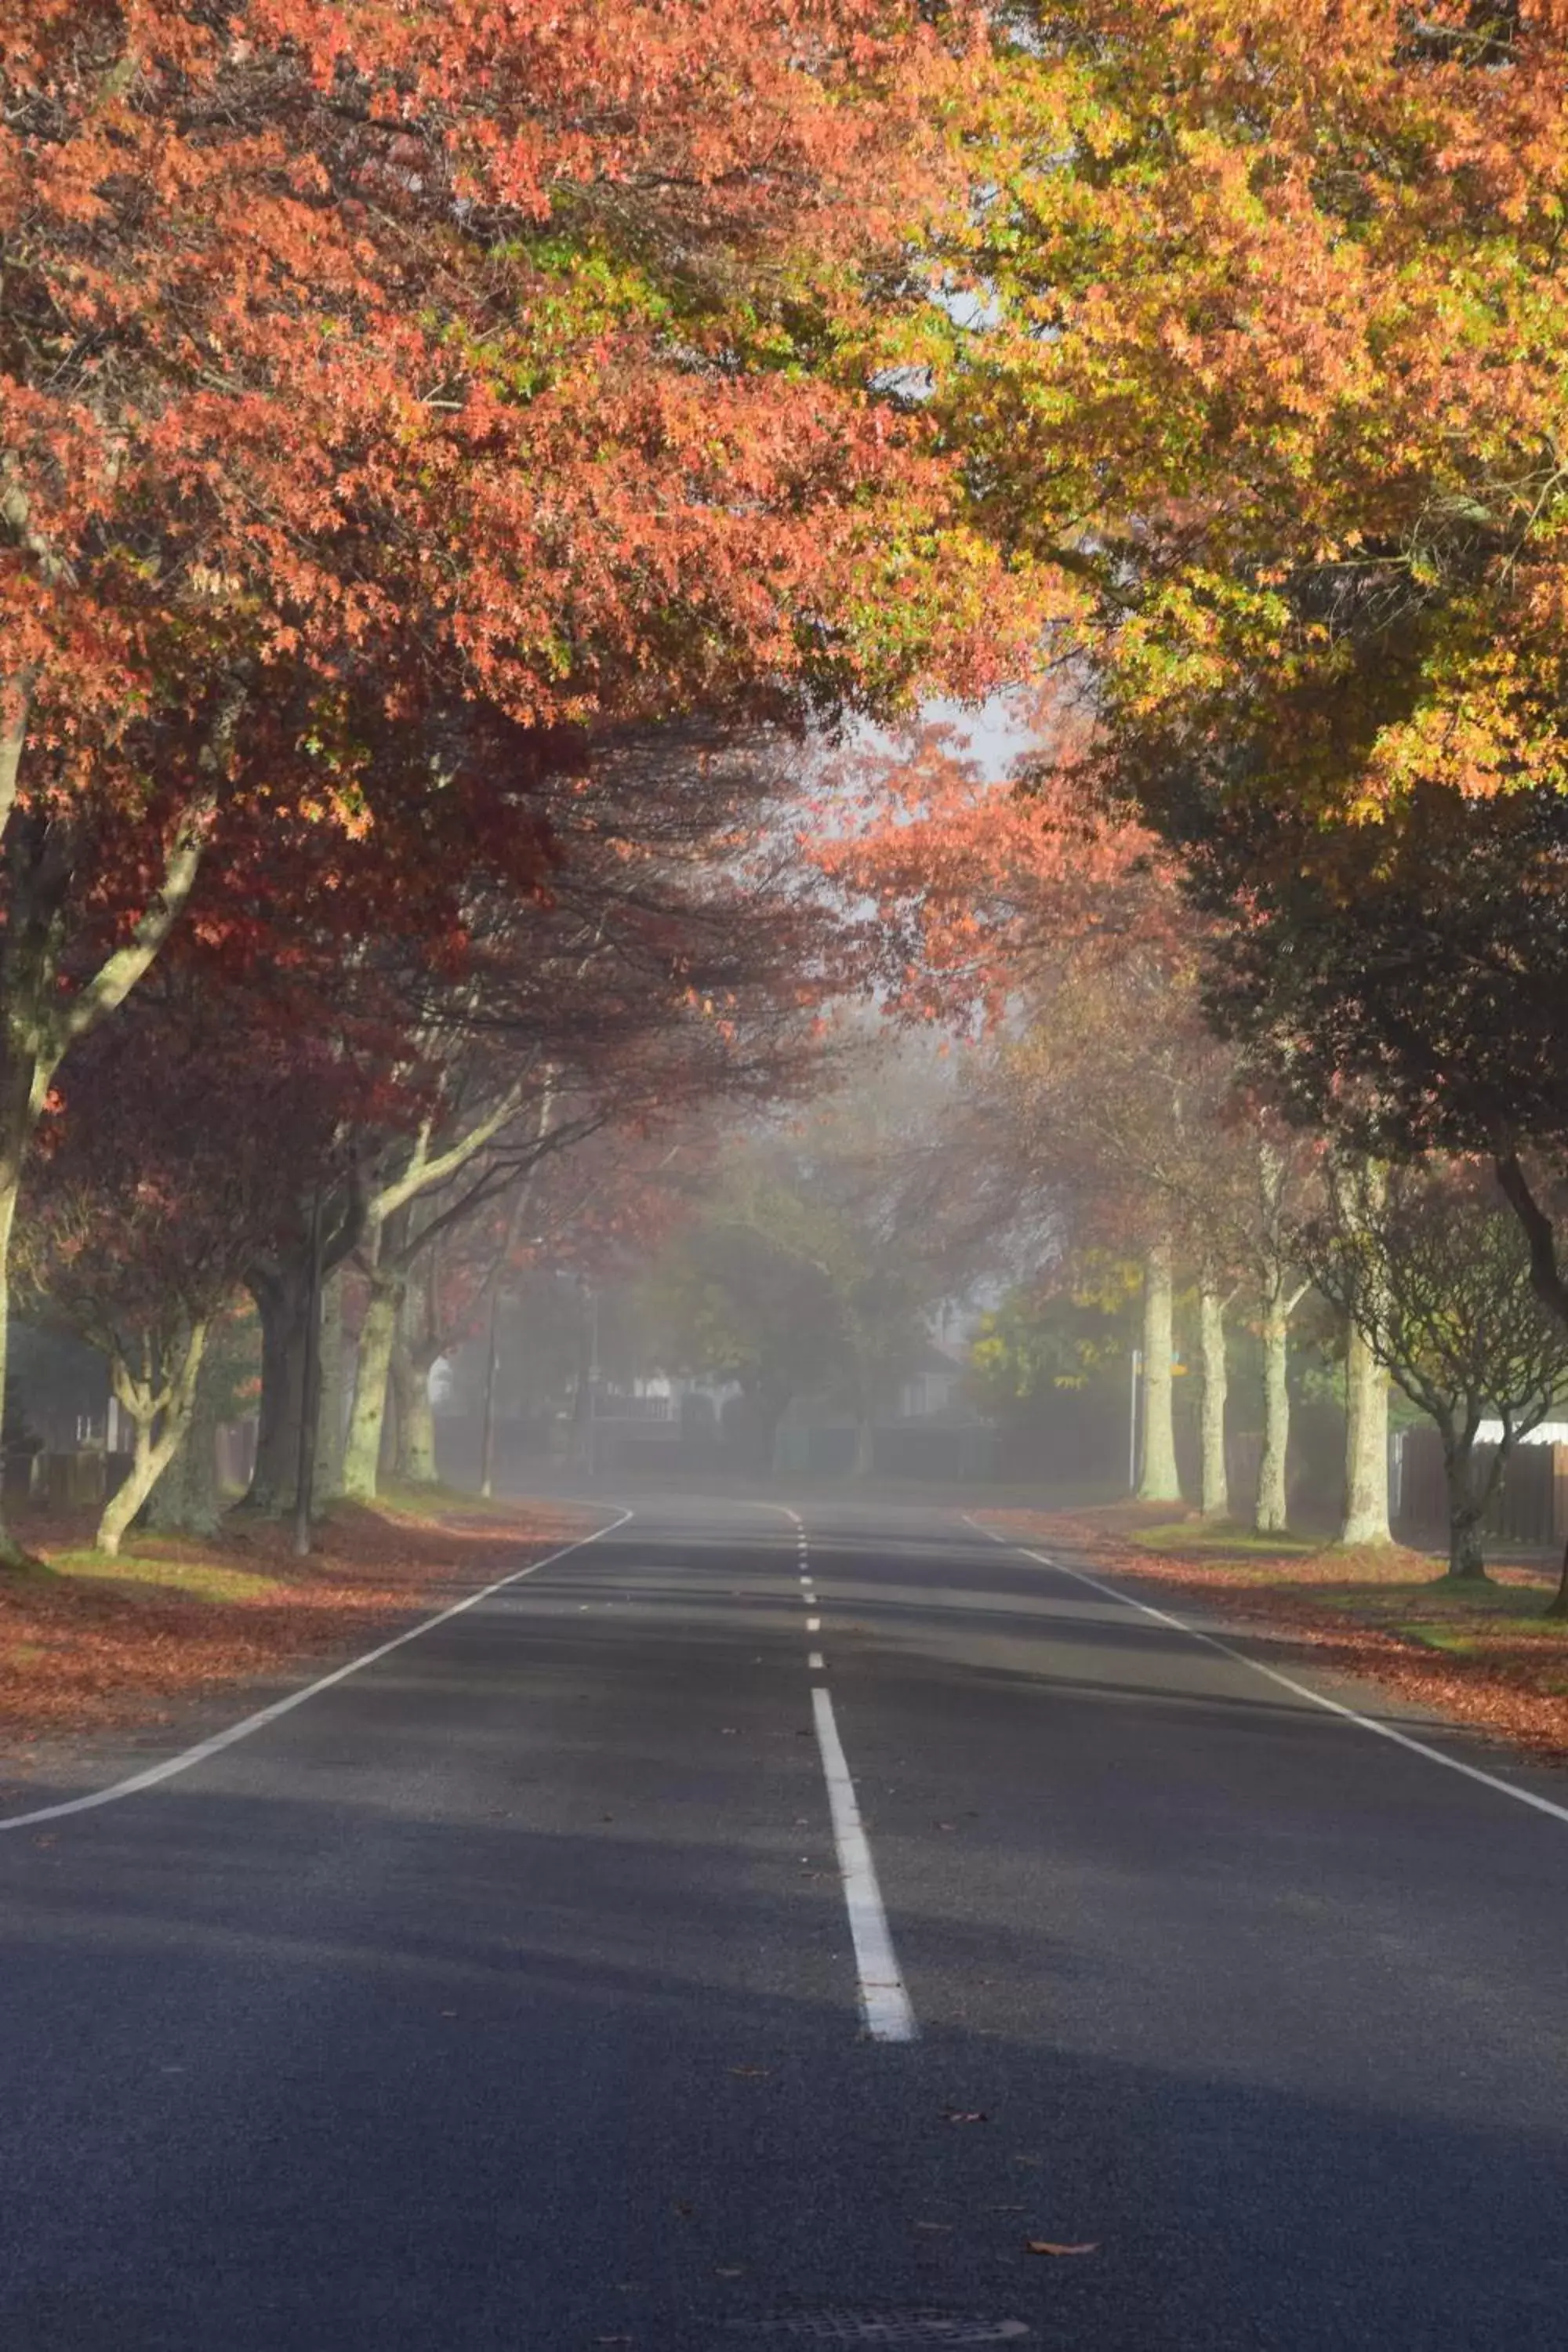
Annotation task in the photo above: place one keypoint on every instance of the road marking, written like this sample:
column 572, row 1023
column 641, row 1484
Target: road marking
column 247, row 1724
column 805, row 1579
column 815, row 1663
column 814, row 1624
column 886, row 2004
column 1271, row 1673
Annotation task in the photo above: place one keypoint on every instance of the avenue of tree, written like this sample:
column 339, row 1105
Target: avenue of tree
column 467, row 481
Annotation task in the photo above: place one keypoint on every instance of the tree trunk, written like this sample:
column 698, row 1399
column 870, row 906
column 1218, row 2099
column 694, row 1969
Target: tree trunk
column 1159, row 1482
column 1467, row 1508
column 1366, row 1446
column 418, row 1466
column 152, row 1454
column 12, row 1553
column 282, row 1302
column 373, row 1372
column 330, row 1433
column 1271, row 1515
column 399, row 1410
column 488, row 1437
column 1558, row 1604
column 186, row 1500
column 1214, row 1499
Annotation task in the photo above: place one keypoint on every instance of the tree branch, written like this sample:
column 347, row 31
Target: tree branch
column 120, row 972
column 1545, row 1273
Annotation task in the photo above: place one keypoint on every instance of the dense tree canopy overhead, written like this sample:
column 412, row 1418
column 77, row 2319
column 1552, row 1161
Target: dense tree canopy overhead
column 1273, row 358
column 400, row 354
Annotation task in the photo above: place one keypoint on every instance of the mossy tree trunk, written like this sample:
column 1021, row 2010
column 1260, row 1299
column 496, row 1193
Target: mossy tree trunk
column 187, row 1500
column 1281, row 1292
column 372, row 1372
column 415, row 1356
column 159, row 1398
column 1366, row 1446
column 1159, row 1481
column 1272, row 1511
column 1214, row 1488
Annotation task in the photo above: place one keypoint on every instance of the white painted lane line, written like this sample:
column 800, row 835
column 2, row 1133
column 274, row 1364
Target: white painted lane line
column 815, row 1663
column 247, row 1724
column 1270, row 1674
column 814, row 1624
column 888, row 2016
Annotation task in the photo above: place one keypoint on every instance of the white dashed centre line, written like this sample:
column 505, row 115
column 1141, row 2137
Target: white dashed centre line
column 886, row 2004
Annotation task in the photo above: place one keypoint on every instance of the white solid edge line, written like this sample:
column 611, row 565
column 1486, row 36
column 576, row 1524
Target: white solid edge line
column 886, row 2004
column 1299, row 1690
column 249, row 1723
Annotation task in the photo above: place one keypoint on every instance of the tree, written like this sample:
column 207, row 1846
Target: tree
column 386, row 397
column 675, row 966
column 990, row 897
column 170, row 1160
column 1271, row 363
column 1049, row 1363
column 1281, row 1288
column 1399, row 983
column 1435, row 1274
column 188, row 1499
column 1126, row 1107
column 811, row 1268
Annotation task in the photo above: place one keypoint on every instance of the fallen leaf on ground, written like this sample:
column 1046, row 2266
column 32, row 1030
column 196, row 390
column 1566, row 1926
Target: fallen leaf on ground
column 82, row 1649
column 1049, row 2246
column 964, row 2116
column 683, row 2208
column 750, row 2072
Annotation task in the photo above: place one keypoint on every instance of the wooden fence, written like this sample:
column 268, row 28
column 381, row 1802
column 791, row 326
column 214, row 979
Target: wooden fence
column 1530, row 1511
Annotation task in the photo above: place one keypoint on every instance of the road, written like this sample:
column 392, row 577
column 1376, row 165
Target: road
column 533, row 1989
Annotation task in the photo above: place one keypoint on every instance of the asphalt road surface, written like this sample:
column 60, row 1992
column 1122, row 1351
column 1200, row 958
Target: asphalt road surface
column 597, row 1970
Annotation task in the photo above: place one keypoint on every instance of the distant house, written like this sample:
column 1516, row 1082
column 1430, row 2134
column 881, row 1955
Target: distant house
column 932, row 1386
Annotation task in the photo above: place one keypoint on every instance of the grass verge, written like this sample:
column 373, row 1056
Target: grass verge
column 87, row 1642
column 1487, row 1658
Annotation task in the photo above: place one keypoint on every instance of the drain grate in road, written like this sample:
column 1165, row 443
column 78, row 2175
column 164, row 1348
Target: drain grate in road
column 889, row 2327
